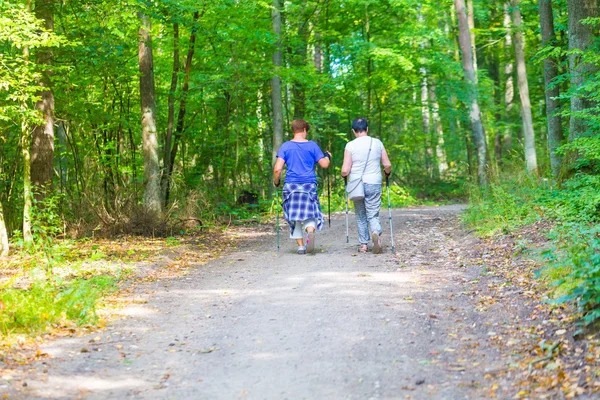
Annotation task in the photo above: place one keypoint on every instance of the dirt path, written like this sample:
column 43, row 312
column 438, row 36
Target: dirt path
column 261, row 325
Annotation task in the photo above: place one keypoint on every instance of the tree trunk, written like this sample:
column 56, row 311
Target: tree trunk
column 369, row 60
column 152, row 198
column 27, row 195
column 509, row 87
column 581, row 37
column 474, row 112
column 438, row 130
column 426, row 120
column 471, row 15
column 318, row 45
column 276, row 100
column 42, row 144
column 298, row 60
column 555, row 135
column 25, row 146
column 528, row 133
column 168, row 168
column 3, row 235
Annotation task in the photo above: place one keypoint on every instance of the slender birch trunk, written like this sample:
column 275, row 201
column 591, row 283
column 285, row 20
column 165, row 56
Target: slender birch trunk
column 438, row 130
column 554, row 120
column 369, row 60
column 471, row 15
column 425, row 119
column 474, row 111
column 528, row 133
column 509, row 86
column 25, row 152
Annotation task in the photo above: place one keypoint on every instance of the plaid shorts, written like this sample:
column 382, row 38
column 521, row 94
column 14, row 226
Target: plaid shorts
column 301, row 202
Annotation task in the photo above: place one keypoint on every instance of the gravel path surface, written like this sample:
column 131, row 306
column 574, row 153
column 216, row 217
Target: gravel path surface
column 257, row 324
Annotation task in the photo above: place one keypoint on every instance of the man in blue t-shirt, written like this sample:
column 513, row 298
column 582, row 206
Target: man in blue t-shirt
column 300, row 202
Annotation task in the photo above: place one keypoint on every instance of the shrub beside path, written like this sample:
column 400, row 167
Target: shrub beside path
column 430, row 322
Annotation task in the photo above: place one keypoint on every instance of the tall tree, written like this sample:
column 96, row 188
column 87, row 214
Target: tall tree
column 581, row 37
column 152, row 198
column 276, row 100
column 528, row 133
column 367, row 35
column 298, row 56
column 26, row 154
column 509, row 88
column 464, row 38
column 27, row 190
column 42, row 145
column 438, row 138
column 471, row 19
column 552, row 90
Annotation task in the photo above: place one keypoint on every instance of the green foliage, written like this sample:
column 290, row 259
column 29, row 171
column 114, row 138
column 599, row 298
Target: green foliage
column 576, row 255
column 572, row 258
column 53, row 302
column 501, row 207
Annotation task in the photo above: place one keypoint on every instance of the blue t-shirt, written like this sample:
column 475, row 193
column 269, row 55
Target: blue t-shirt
column 300, row 159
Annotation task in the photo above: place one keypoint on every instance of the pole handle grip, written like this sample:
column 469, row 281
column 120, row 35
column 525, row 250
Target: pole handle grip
column 387, row 180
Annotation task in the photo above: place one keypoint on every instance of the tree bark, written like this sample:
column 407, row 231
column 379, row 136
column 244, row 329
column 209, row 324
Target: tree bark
column 369, row 60
column 581, row 37
column 276, row 100
column 554, row 120
column 152, row 198
column 299, row 60
column 3, row 235
column 27, row 190
column 438, row 130
column 42, row 144
column 26, row 154
column 528, row 133
column 426, row 120
column 509, row 87
column 474, row 111
column 471, row 15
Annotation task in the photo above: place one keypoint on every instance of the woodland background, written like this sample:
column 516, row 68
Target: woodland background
column 154, row 117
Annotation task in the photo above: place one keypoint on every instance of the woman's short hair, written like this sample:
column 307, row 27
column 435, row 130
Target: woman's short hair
column 298, row 125
column 360, row 125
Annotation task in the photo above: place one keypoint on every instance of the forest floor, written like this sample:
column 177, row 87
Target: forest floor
column 450, row 316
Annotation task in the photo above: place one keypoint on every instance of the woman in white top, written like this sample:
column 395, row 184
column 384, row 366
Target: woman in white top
column 355, row 155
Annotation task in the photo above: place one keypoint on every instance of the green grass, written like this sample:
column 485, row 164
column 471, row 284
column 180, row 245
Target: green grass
column 55, row 284
column 53, row 302
column 572, row 258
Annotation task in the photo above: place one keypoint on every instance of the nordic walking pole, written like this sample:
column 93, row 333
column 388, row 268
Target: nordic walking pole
column 346, row 193
column 387, row 183
column 277, row 223
column 329, row 197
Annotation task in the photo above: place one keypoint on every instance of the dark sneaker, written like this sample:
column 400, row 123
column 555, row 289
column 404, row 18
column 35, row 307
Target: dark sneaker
column 376, row 243
column 310, row 242
column 301, row 249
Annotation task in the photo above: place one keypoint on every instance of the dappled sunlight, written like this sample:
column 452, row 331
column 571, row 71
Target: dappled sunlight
column 70, row 386
column 135, row 311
